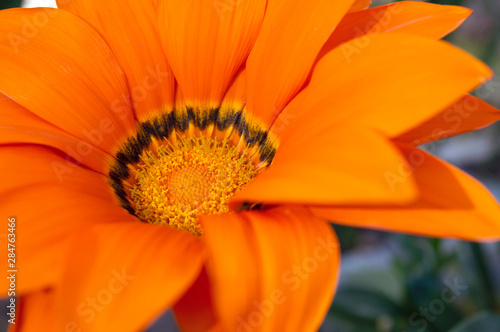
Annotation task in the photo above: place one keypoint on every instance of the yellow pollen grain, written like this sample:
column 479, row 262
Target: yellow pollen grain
column 193, row 176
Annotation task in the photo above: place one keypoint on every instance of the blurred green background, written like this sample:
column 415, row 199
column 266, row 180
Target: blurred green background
column 399, row 283
column 4, row 4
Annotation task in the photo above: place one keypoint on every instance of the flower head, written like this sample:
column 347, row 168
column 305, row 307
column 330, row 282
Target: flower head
column 189, row 154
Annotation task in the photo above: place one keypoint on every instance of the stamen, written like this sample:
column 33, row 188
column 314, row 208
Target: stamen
column 193, row 176
column 166, row 174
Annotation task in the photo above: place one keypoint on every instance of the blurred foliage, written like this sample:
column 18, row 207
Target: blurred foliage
column 426, row 285
column 4, row 4
column 481, row 322
column 449, row 2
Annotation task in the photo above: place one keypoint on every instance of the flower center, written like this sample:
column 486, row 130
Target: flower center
column 193, row 176
column 189, row 162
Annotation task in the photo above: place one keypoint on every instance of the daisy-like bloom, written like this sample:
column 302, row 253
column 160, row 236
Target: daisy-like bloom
column 189, row 154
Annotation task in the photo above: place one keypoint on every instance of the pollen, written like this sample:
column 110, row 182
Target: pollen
column 177, row 182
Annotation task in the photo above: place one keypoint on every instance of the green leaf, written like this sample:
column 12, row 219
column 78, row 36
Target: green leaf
column 483, row 322
column 10, row 3
column 345, row 322
column 364, row 303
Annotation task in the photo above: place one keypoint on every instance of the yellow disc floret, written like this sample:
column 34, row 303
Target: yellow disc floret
column 193, row 176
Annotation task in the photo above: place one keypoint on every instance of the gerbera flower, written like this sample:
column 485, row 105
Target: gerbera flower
column 188, row 154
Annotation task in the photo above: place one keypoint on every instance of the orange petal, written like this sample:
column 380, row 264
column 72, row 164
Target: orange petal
column 74, row 80
column 196, row 302
column 32, row 165
column 467, row 114
column 45, row 217
column 233, row 266
column 261, row 284
column 235, row 97
column 206, row 42
column 38, row 309
column 130, row 29
column 419, row 18
column 234, row 101
column 452, row 204
column 394, row 84
column 344, row 165
column 21, row 126
column 360, row 5
column 111, row 267
column 292, row 34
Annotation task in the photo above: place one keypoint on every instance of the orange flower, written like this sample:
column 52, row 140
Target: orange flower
column 187, row 154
